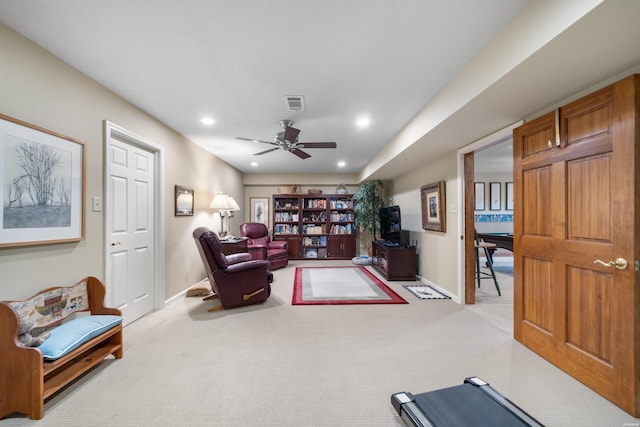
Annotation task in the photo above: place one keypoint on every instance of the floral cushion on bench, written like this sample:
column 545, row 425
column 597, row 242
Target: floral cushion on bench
column 72, row 334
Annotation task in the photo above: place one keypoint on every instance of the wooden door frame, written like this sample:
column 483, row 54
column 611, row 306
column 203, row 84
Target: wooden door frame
column 112, row 130
column 466, row 254
column 469, row 226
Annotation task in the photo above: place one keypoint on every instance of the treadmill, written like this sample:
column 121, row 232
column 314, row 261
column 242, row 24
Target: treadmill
column 473, row 403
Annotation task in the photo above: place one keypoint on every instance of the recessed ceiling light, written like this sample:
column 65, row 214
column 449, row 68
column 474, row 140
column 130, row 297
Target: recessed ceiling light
column 207, row 121
column 342, row 164
column 363, row 122
column 254, row 164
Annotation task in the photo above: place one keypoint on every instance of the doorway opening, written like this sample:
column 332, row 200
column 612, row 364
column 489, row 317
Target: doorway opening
column 493, row 223
column 489, row 151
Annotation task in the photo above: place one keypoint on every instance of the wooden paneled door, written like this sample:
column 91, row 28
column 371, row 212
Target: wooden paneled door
column 576, row 182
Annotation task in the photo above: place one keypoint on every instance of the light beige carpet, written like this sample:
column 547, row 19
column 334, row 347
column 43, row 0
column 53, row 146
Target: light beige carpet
column 275, row 364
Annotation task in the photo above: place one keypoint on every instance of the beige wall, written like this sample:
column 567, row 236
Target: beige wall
column 38, row 88
column 438, row 252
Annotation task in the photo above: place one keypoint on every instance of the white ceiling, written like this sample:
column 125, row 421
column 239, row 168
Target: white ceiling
column 235, row 61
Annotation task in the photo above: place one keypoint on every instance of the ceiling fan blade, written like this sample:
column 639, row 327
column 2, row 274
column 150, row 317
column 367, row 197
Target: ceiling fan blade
column 267, row 151
column 256, row 140
column 317, row 145
column 300, row 153
column 291, row 134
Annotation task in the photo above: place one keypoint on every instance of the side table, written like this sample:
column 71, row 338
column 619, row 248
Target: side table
column 234, row 246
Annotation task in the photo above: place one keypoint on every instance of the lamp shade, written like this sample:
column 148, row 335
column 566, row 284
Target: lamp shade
column 223, row 202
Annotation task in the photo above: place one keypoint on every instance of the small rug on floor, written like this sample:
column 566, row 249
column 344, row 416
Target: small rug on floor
column 426, row 292
column 340, row 285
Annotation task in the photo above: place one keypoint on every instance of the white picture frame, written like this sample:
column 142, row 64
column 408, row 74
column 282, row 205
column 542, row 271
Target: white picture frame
column 260, row 210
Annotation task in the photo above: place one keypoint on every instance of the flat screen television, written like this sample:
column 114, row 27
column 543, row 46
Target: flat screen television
column 390, row 225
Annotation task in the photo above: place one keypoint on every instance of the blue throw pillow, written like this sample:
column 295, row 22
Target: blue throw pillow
column 70, row 335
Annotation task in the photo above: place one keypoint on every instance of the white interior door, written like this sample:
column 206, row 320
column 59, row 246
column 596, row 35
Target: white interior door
column 130, row 228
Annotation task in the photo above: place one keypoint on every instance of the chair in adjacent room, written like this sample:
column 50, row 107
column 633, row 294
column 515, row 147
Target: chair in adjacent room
column 486, row 247
column 261, row 246
column 235, row 279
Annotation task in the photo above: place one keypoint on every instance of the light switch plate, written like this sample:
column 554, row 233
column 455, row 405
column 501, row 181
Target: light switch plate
column 97, row 203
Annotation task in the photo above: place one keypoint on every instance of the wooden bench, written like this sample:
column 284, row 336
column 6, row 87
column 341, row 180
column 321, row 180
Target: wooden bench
column 27, row 376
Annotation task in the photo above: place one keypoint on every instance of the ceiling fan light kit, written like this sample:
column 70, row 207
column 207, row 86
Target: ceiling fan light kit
column 288, row 140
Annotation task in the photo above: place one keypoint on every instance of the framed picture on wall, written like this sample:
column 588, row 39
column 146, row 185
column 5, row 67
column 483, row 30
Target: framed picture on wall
column 509, row 195
column 42, row 183
column 478, row 196
column 495, row 196
column 260, row 210
column 433, row 206
column 183, row 201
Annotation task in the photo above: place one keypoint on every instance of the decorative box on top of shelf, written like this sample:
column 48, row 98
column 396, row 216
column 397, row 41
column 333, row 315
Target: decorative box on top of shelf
column 315, row 226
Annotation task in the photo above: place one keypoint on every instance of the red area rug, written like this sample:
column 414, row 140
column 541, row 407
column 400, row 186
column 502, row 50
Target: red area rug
column 340, row 285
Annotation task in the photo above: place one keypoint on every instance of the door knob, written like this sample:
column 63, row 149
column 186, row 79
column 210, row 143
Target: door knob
column 115, row 243
column 619, row 263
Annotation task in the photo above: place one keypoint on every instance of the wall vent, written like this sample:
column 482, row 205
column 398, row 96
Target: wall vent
column 295, row 102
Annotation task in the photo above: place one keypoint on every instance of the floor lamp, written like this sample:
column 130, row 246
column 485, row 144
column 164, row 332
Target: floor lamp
column 226, row 207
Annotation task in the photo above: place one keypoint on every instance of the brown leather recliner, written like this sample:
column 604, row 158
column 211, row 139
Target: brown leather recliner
column 235, row 279
column 261, row 246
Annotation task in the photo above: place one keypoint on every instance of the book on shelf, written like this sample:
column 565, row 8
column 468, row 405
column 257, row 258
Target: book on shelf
column 342, row 216
column 342, row 229
column 314, row 241
column 285, row 229
column 341, row 204
column 312, row 229
column 316, row 203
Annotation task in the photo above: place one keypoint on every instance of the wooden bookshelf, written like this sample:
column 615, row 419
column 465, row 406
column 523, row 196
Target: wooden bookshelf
column 315, row 226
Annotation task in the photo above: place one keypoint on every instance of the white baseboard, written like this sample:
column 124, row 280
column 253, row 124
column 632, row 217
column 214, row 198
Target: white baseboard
column 183, row 293
column 439, row 289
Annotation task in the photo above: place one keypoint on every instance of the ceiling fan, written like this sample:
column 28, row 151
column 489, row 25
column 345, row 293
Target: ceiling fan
column 288, row 140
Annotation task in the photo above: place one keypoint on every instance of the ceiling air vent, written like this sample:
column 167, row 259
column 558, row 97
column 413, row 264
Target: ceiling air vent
column 295, row 102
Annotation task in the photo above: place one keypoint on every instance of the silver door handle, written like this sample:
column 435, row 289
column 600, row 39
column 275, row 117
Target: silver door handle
column 115, row 243
column 619, row 263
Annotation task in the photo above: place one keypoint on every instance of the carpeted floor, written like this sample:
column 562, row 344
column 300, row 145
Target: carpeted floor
column 498, row 310
column 278, row 365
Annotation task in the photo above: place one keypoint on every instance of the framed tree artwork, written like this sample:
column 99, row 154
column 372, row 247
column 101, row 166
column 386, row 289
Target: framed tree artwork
column 42, row 184
column 433, row 206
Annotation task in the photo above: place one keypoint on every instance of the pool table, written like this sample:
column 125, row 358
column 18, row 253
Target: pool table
column 501, row 240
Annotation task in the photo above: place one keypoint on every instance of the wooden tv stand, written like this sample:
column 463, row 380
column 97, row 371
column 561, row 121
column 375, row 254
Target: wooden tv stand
column 395, row 262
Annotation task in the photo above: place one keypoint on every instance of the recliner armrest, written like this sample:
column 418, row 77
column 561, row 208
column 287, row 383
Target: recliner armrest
column 239, row 257
column 278, row 244
column 257, row 251
column 247, row 265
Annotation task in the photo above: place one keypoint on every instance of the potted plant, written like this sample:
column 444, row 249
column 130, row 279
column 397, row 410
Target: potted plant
column 367, row 202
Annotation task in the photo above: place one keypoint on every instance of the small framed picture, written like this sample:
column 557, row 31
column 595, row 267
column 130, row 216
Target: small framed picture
column 260, row 210
column 495, row 196
column 433, row 206
column 184, row 201
column 478, row 196
column 509, row 190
